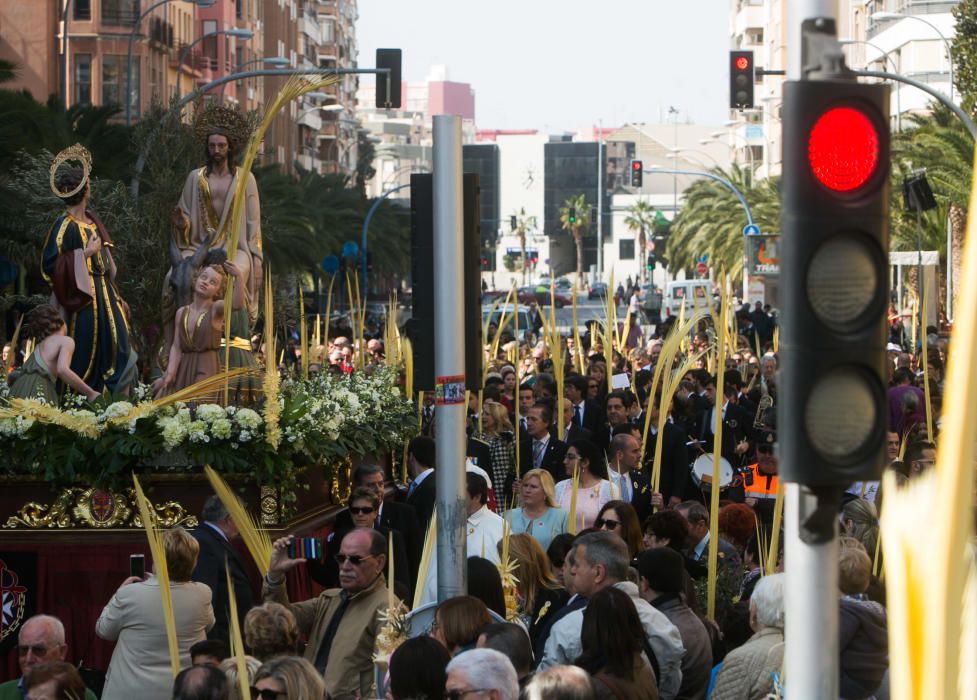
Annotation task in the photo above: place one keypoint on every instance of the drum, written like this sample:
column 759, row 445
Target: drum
column 702, row 472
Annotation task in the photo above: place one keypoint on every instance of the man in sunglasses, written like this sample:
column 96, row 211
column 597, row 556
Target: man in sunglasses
column 341, row 623
column 40, row 640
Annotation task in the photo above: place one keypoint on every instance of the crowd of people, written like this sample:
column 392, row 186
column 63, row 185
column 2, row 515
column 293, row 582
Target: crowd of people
column 610, row 573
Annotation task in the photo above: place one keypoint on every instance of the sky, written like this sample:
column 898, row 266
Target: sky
column 557, row 65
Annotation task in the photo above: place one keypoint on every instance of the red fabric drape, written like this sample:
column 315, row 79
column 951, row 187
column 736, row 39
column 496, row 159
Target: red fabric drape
column 76, row 581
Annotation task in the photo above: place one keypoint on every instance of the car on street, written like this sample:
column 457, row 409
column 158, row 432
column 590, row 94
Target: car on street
column 597, row 290
column 525, row 321
column 541, row 296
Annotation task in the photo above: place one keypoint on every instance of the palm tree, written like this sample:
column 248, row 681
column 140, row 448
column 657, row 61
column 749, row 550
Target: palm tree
column 576, row 227
column 712, row 218
column 939, row 142
column 640, row 218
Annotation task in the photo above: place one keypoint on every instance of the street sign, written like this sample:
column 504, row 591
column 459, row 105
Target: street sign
column 751, row 230
column 701, row 269
column 650, row 245
column 764, row 256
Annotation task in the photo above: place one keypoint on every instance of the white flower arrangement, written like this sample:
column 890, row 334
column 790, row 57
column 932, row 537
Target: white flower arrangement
column 210, row 412
column 116, row 410
column 247, row 419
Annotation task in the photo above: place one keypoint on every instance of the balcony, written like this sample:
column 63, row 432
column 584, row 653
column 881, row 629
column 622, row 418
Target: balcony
column 311, row 119
column 309, row 25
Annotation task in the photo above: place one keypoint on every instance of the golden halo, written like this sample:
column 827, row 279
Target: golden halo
column 76, row 153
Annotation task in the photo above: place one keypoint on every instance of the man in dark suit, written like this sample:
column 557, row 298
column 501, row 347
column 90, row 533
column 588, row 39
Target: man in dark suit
column 398, row 517
column 541, row 450
column 627, row 482
column 571, row 431
column 737, row 434
column 616, row 409
column 421, row 492
column 215, row 535
column 697, row 547
column 674, row 464
column 586, row 413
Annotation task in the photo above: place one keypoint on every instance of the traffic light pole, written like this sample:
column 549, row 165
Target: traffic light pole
column 449, row 357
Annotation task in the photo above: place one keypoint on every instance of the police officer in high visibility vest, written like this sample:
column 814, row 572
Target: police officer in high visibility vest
column 760, row 483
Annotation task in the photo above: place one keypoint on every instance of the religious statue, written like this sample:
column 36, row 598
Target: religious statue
column 77, row 262
column 202, row 230
column 198, row 330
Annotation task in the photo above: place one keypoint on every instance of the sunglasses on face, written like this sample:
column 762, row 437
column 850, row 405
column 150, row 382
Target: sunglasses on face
column 365, row 510
column 354, row 559
column 459, row 694
column 266, row 694
column 609, row 524
column 35, row 649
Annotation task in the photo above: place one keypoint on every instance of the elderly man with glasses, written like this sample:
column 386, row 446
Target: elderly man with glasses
column 40, row 640
column 341, row 623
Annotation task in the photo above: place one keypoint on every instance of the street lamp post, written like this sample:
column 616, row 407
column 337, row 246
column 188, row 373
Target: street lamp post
column 887, row 57
column 278, row 61
column 132, row 38
column 239, row 33
column 946, row 43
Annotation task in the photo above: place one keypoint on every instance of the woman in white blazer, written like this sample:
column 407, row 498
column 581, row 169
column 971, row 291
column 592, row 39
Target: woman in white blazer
column 140, row 666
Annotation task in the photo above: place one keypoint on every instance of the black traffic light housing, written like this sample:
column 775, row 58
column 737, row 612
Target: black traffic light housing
column 637, row 170
column 834, row 278
column 391, row 60
column 741, row 78
column 572, row 215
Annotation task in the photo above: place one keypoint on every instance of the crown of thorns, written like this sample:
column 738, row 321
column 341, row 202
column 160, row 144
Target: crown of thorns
column 216, row 119
column 79, row 154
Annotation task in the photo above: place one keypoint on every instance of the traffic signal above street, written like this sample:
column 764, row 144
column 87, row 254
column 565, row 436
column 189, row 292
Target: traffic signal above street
column 741, row 77
column 835, row 281
column 636, row 173
column 572, row 215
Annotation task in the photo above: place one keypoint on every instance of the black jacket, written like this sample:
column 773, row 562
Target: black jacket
column 421, row 500
column 674, row 465
column 863, row 647
column 552, row 462
column 214, row 551
column 593, row 415
column 402, row 519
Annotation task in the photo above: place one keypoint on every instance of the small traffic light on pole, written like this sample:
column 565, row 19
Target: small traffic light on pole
column 650, row 263
column 388, row 83
column 636, row 172
column 834, row 272
column 741, row 77
column 512, row 222
column 572, row 215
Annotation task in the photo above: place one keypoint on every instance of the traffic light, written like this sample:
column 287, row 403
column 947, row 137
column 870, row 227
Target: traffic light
column 650, row 264
column 834, row 277
column 572, row 215
column 636, row 172
column 513, row 224
column 390, row 59
column 741, row 80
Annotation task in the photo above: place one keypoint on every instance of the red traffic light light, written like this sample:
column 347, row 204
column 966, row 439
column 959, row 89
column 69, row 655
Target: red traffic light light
column 742, row 63
column 636, row 165
column 843, row 149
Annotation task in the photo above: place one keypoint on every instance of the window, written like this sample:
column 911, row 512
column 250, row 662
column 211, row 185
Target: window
column 83, row 79
column 626, row 249
column 210, row 43
column 114, row 82
column 83, row 10
column 120, row 12
column 238, row 8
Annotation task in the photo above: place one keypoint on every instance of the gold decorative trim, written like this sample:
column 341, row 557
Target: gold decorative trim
column 342, row 481
column 94, row 508
column 269, row 505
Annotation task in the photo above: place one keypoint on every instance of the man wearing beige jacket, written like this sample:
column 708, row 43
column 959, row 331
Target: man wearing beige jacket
column 341, row 623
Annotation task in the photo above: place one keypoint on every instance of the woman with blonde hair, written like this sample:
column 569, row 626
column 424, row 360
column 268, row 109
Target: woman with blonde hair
column 538, row 515
column 229, row 668
column 289, row 677
column 271, row 630
column 538, row 592
column 860, row 519
column 140, row 665
column 496, row 432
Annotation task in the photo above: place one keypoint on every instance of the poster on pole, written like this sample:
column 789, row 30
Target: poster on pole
column 764, row 255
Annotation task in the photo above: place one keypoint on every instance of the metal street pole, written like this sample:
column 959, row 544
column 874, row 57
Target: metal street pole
column 244, row 34
column 366, row 225
column 449, row 357
column 64, row 54
column 810, row 547
column 600, row 206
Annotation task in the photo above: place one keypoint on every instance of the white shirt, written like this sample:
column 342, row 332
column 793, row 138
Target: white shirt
column 483, row 531
column 621, row 487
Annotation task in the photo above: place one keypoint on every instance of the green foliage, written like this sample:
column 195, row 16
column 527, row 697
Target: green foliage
column 939, row 142
column 963, row 49
column 711, row 220
column 577, row 227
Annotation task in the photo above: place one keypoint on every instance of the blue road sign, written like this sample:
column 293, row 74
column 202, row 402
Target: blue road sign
column 751, row 230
